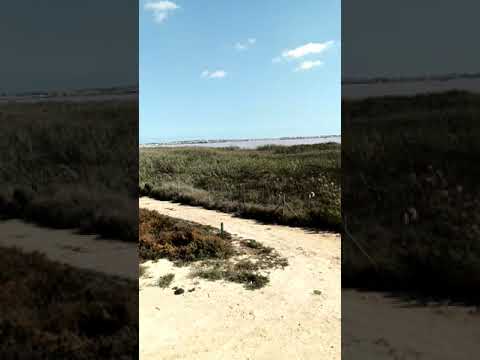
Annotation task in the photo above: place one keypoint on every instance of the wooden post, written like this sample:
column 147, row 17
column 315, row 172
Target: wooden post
column 221, row 229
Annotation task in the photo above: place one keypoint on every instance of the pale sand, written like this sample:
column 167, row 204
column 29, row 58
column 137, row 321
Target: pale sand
column 376, row 327
column 111, row 257
column 220, row 320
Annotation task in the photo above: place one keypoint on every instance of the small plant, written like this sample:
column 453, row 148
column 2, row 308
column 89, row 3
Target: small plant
column 252, row 244
column 267, row 257
column 250, row 279
column 259, row 247
column 246, row 265
column 165, row 280
column 211, row 274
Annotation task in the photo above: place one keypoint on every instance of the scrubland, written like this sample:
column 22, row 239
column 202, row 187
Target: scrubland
column 51, row 310
column 71, row 165
column 297, row 185
column 411, row 196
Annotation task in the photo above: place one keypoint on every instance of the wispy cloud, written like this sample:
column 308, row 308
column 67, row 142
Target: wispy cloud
column 241, row 46
column 308, row 65
column 307, row 49
column 304, row 50
column 161, row 9
column 299, row 53
column 217, row 74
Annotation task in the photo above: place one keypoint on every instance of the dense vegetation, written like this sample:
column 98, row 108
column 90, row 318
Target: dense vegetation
column 411, row 195
column 71, row 165
column 52, row 311
column 213, row 255
column 298, row 185
column 68, row 165
column 178, row 240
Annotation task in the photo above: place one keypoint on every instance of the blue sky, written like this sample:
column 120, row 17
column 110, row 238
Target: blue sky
column 239, row 69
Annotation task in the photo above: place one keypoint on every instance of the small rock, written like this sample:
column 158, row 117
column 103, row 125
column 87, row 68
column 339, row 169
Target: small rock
column 192, row 289
column 317, row 292
column 179, row 291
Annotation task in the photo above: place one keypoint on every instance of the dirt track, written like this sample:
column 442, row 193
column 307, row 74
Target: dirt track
column 219, row 320
column 83, row 251
column 376, row 327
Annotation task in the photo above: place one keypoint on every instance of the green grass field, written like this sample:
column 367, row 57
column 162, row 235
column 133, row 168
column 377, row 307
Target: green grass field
column 71, row 165
column 411, row 194
column 298, row 185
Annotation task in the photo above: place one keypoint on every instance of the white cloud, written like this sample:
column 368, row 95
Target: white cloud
column 246, row 45
column 307, row 49
column 217, row 74
column 161, row 9
column 307, row 65
column 302, row 51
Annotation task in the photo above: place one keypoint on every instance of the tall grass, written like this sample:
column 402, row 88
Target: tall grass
column 298, row 185
column 411, row 194
column 71, row 165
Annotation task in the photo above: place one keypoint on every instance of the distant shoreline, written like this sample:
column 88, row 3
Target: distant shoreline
column 260, row 141
column 123, row 93
column 361, row 89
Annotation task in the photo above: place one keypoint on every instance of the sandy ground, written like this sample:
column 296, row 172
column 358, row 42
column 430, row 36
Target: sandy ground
column 219, row 320
column 376, row 326
column 84, row 251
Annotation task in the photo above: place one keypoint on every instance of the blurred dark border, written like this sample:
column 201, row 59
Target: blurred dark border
column 410, row 193
column 69, row 180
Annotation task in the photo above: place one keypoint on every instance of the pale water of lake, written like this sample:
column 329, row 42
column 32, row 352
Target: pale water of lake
column 255, row 143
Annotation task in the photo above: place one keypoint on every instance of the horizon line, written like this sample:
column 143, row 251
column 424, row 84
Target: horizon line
column 193, row 141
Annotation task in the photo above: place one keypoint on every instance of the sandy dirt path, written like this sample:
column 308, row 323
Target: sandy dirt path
column 219, row 320
column 376, row 327
column 111, row 257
